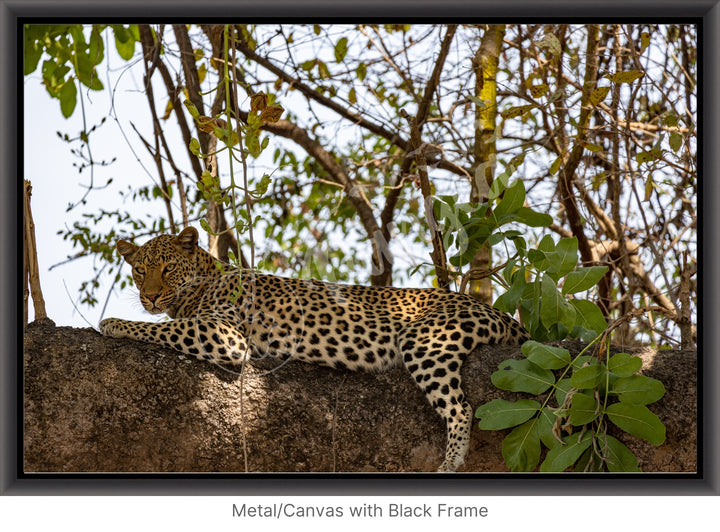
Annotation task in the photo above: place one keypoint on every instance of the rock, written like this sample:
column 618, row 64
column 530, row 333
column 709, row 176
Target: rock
column 96, row 404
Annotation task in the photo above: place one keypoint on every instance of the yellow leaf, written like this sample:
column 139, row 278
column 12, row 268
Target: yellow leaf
column 598, row 179
column 555, row 166
column 625, row 77
column 644, row 41
column 649, row 185
column 592, row 147
column 598, row 95
column 514, row 112
column 168, row 110
column 537, row 91
column 352, row 98
column 202, row 72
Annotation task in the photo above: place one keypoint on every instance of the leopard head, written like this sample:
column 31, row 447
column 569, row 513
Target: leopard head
column 161, row 266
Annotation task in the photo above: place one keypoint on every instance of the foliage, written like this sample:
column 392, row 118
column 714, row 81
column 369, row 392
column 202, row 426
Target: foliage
column 530, row 275
column 587, row 394
column 598, row 122
column 72, row 56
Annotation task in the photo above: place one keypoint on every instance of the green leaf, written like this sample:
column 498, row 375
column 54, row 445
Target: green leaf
column 97, row 48
column 561, row 390
column 560, row 457
column 195, row 147
column 205, row 225
column 545, row 422
column 533, row 218
column 565, row 257
column 624, row 365
column 192, row 109
column 521, row 448
column 545, row 356
column 584, row 360
column 586, row 335
column 555, row 308
column 509, row 300
column 645, row 157
column 618, row 458
column 498, row 186
column 482, row 104
column 638, row 389
column 341, row 49
column 514, row 112
column 361, row 71
column 638, row 421
column 522, row 376
column 540, row 256
column 589, row 316
column 33, row 51
column 85, row 71
column 676, row 141
column 501, row 414
column 583, row 279
column 584, row 409
column 68, row 98
column 512, row 200
column 551, row 42
column 588, row 377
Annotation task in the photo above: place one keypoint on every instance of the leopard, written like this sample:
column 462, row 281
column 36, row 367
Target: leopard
column 228, row 315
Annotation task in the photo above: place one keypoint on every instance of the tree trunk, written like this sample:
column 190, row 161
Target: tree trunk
column 485, row 65
column 97, row 404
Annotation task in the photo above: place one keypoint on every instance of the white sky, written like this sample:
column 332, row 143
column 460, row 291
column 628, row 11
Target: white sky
column 56, row 183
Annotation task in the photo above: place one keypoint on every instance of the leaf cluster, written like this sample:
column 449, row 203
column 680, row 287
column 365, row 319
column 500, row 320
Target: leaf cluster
column 588, row 395
column 541, row 282
column 73, row 56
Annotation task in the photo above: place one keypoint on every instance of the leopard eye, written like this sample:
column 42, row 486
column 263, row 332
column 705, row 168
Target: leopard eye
column 169, row 268
column 139, row 270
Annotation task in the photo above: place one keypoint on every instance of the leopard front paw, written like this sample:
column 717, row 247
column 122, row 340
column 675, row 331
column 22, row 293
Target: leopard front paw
column 112, row 327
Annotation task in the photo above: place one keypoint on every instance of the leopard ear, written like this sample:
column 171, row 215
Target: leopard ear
column 187, row 240
column 127, row 250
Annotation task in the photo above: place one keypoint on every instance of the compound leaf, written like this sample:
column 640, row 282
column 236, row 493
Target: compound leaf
column 502, row 414
column 583, row 279
column 522, row 376
column 638, row 421
column 521, row 448
column 546, row 356
column 638, row 389
column 560, row 457
column 618, row 458
column 624, row 365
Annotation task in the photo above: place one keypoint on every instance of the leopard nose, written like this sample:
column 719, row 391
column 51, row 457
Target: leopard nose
column 152, row 297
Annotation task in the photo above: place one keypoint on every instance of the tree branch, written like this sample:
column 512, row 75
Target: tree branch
column 567, row 171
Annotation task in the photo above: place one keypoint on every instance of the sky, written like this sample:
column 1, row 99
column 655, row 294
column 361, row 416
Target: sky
column 56, row 183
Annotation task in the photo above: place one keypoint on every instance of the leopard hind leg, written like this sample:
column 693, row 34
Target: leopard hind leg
column 437, row 373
